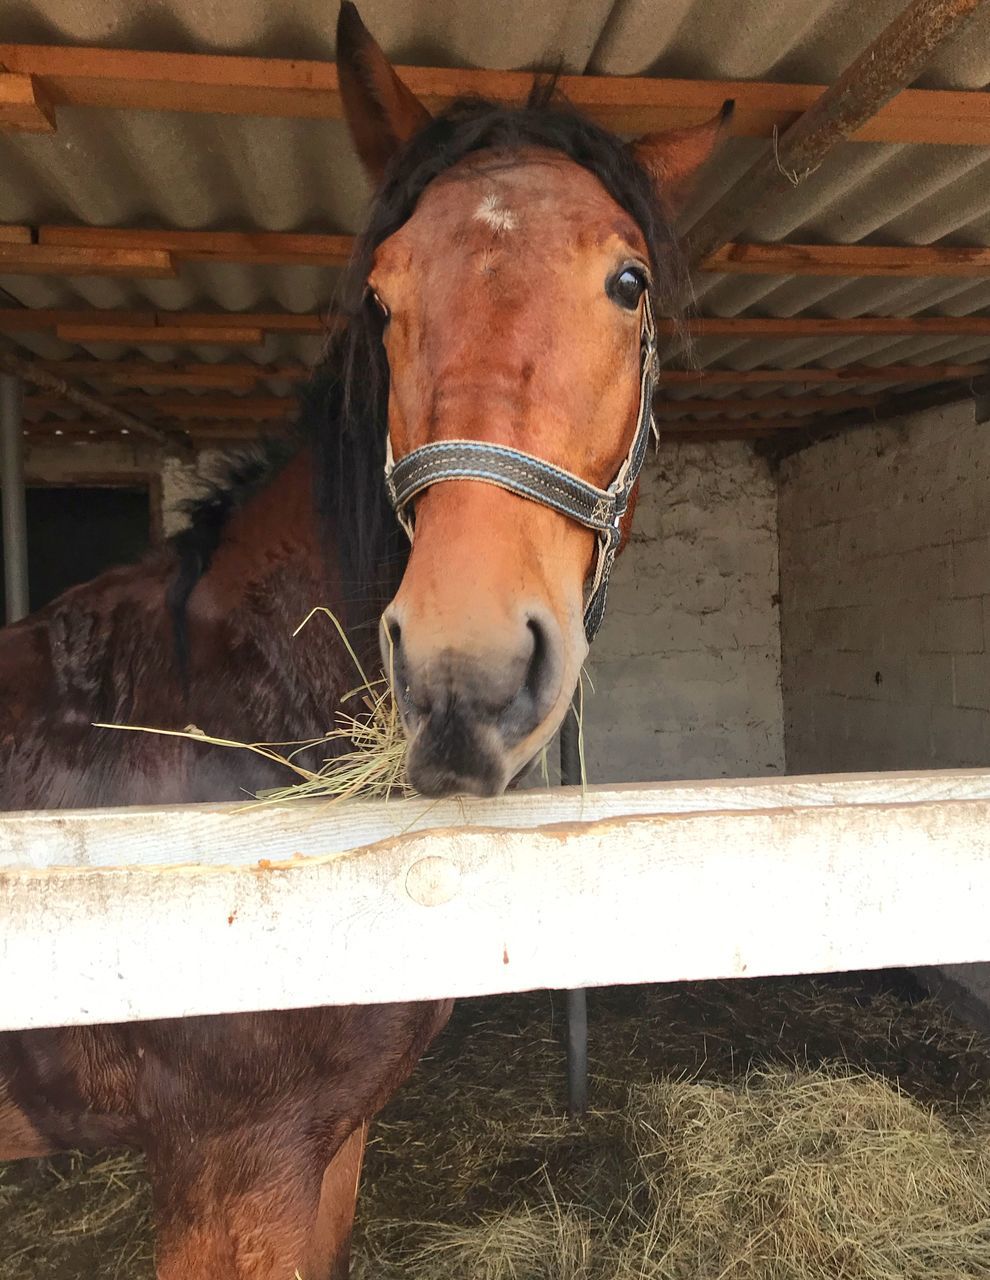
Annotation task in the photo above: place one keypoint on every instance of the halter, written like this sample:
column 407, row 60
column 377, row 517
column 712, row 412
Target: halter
column 529, row 477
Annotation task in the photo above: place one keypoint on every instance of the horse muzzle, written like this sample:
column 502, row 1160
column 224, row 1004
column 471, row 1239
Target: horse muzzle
column 474, row 720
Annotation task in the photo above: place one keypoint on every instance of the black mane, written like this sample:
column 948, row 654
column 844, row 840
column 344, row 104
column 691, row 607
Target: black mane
column 344, row 408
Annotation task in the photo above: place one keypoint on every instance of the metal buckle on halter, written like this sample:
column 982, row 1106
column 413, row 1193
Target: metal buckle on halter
column 543, row 482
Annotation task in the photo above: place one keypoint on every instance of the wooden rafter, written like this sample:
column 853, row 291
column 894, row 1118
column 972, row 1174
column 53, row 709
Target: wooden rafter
column 45, row 260
column 827, row 327
column 56, row 250
column 248, row 408
column 277, row 408
column 143, row 373
column 165, row 335
column 853, row 260
column 130, row 79
column 168, row 326
column 778, row 405
column 260, row 248
column 244, row 375
column 24, row 103
column 207, row 430
column 855, row 373
column 41, row 320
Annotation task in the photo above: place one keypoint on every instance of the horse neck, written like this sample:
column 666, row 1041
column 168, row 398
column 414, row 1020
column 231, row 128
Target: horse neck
column 248, row 675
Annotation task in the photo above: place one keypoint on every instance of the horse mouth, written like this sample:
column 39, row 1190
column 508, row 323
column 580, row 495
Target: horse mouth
column 461, row 757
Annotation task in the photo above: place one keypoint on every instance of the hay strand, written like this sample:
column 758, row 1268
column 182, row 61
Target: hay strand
column 365, row 750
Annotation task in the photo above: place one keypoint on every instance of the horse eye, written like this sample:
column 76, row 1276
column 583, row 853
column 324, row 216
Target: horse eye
column 626, row 287
column 386, row 314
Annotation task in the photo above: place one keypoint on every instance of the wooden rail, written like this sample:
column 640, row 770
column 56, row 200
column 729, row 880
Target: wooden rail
column 45, row 78
column 137, row 913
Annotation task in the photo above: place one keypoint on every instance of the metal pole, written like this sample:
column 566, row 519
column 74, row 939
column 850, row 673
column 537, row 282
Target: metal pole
column 577, row 1001
column 12, row 497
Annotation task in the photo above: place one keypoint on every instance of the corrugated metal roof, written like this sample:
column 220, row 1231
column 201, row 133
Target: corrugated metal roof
column 153, row 169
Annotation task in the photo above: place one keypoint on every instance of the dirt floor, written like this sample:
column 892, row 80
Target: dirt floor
column 478, row 1134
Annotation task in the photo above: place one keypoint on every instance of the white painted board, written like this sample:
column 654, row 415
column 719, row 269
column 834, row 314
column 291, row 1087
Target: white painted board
column 720, row 880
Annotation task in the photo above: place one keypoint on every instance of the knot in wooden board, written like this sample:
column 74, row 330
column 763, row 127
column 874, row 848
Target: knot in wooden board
column 433, row 881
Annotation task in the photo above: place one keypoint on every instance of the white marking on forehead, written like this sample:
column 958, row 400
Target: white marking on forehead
column 492, row 212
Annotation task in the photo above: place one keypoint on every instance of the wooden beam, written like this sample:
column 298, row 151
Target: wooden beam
column 255, row 247
column 24, row 103
column 175, row 335
column 720, row 429
column 291, row 249
column 199, row 432
column 130, row 79
column 45, row 260
column 778, row 405
column 853, row 260
column 256, row 408
column 168, row 378
column 24, row 320
column 15, row 235
column 244, row 375
column 893, row 60
column 825, row 327
column 40, row 320
column 145, row 373
column 864, row 373
column 296, row 905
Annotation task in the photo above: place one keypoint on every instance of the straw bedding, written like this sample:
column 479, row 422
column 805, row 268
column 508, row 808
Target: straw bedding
column 804, row 1129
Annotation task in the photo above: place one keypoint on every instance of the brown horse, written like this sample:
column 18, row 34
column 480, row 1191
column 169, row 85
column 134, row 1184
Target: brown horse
column 506, row 276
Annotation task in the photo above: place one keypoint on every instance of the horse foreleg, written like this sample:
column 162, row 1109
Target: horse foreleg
column 250, row 1206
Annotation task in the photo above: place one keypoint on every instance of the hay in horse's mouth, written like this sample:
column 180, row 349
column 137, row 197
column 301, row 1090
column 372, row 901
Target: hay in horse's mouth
column 367, row 745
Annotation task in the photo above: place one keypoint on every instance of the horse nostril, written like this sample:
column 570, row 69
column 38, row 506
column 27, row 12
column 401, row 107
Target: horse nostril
column 393, row 635
column 536, row 675
column 538, row 690
column 394, row 660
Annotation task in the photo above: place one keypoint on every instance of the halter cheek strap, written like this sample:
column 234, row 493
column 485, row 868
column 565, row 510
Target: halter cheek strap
column 529, row 477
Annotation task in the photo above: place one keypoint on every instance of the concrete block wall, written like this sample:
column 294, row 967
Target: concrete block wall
column 687, row 666
column 885, row 587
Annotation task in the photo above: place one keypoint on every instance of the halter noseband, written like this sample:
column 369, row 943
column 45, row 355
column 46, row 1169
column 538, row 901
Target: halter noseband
column 529, row 477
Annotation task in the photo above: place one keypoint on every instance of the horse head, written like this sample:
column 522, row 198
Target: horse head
column 515, row 264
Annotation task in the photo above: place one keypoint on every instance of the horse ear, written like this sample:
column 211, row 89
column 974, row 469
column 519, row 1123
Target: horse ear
column 381, row 112
column 675, row 158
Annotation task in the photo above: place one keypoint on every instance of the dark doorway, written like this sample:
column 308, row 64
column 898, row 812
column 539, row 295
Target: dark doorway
column 74, row 534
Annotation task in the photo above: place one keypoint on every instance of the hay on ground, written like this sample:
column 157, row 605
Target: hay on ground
column 782, row 1176
column 739, row 1131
